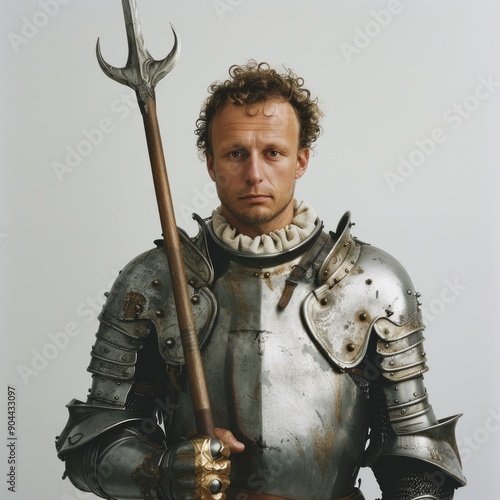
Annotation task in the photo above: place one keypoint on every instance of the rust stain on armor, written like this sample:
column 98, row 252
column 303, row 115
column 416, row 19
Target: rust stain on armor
column 237, row 303
column 338, row 399
column 134, row 305
column 323, row 445
column 274, row 272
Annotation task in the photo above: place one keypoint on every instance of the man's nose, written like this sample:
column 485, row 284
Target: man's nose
column 254, row 169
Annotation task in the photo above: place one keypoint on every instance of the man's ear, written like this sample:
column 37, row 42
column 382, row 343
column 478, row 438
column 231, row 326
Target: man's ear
column 209, row 159
column 302, row 162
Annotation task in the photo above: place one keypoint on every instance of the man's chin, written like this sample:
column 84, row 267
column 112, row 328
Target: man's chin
column 256, row 216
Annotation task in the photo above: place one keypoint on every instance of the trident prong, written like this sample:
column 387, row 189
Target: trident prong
column 141, row 72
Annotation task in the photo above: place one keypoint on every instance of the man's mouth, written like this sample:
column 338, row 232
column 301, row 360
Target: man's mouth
column 258, row 197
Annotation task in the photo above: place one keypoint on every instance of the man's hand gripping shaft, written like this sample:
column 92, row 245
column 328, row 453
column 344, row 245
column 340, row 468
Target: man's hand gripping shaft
column 196, row 469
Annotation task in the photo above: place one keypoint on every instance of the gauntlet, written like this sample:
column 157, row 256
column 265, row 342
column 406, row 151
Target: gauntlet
column 196, row 469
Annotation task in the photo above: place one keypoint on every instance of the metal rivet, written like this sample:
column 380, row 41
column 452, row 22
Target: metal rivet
column 415, row 394
column 409, row 292
column 266, row 275
column 346, row 270
column 156, row 283
column 256, row 274
column 368, row 282
column 106, row 294
column 170, row 343
column 417, row 294
column 362, row 316
column 396, row 388
column 160, row 313
column 138, row 308
column 195, row 299
column 396, row 400
column 324, row 301
column 403, row 411
column 391, row 363
column 191, row 282
column 351, row 347
column 391, row 375
column 118, row 383
column 386, row 331
column 347, row 243
column 387, row 346
column 325, row 273
column 116, row 398
column 352, row 262
column 99, row 393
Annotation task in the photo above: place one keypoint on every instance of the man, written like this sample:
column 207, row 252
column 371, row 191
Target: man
column 311, row 341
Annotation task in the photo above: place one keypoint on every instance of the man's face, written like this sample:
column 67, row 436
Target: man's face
column 254, row 163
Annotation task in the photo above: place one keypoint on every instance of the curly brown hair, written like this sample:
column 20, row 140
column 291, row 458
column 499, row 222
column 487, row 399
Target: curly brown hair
column 255, row 83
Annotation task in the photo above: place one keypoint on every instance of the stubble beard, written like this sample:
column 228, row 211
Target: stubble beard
column 256, row 216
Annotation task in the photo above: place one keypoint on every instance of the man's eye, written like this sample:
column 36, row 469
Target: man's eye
column 273, row 153
column 235, row 154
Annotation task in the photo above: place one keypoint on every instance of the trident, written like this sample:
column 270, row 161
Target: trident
column 142, row 73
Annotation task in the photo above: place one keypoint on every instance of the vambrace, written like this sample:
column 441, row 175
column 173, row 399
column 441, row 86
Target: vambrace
column 112, row 453
column 123, row 464
column 417, row 456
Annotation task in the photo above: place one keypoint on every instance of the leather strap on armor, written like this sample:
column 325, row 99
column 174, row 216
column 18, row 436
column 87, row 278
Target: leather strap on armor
column 299, row 269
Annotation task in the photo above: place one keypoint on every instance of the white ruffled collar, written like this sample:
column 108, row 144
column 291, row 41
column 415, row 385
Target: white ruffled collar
column 281, row 240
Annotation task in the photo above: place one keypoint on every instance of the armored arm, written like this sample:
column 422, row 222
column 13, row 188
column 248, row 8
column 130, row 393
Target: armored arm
column 413, row 454
column 113, row 444
column 365, row 317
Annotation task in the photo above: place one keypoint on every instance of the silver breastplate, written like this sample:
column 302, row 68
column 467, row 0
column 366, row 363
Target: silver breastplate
column 303, row 422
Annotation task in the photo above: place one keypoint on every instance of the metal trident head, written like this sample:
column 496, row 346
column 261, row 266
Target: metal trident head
column 141, row 72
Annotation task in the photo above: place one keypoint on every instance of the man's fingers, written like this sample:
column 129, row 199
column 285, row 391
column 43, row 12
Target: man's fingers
column 225, row 435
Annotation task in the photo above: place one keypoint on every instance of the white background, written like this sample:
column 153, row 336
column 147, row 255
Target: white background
column 64, row 233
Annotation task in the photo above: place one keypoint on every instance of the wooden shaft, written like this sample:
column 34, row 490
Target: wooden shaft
column 189, row 336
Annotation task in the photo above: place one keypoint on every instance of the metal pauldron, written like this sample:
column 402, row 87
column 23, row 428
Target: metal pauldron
column 360, row 286
column 142, row 299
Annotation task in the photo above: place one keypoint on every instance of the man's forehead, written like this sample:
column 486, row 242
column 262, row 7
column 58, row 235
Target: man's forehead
column 266, row 112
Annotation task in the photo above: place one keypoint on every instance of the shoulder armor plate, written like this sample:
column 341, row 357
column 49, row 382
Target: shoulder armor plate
column 142, row 294
column 362, row 287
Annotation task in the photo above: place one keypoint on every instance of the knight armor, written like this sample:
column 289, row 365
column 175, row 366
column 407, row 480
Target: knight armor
column 314, row 359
